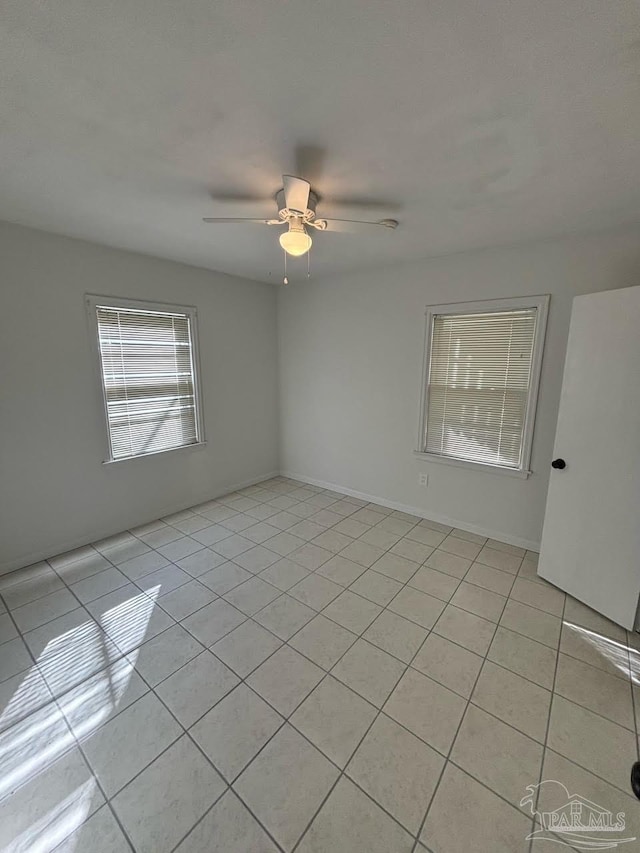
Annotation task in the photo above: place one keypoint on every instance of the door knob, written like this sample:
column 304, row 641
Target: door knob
column 559, row 463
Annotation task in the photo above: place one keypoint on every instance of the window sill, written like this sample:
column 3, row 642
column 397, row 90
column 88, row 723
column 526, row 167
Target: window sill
column 187, row 447
column 477, row 466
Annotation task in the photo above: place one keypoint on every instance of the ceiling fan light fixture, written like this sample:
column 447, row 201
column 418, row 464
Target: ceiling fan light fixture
column 296, row 241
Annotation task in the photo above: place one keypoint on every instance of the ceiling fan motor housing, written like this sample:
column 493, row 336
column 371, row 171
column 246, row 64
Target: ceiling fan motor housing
column 286, row 214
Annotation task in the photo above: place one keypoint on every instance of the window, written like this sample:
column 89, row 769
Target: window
column 147, row 356
column 482, row 370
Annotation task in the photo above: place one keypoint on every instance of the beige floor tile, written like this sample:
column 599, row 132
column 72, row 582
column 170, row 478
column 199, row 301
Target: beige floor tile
column 256, row 559
column 529, row 571
column 361, row 553
column 284, row 616
column 283, row 574
column 30, row 812
column 182, row 602
column 379, row 538
column 499, row 560
column 460, row 547
column 480, row 601
column 488, row 578
column 73, row 647
column 395, row 567
column 100, row 825
column 234, row 731
column 260, row 532
column 504, row 546
column 332, row 540
column 325, row 518
column 596, row 649
column 396, row 525
column 42, row 610
column 592, row 741
column 449, row 664
column 307, row 530
column 162, row 804
column 43, row 582
column 223, row 578
column 126, row 744
column 434, row 583
column 457, row 567
column 315, row 591
column 605, row 694
column 285, row 679
column 351, row 527
column 426, row 535
column 410, row 550
column 417, row 606
column 579, row 781
column 465, row 815
column 369, row 515
column 340, row 570
column 497, row 755
column 286, row 784
column 398, row 770
column 536, row 595
column 323, row 641
column 532, row 623
column 228, row 828
column 368, row 684
column 408, row 703
column 578, row 613
column 470, row 537
column 369, row 671
column 511, row 698
column 526, row 657
column 284, row 543
column 335, row 719
column 246, row 647
column 310, row 556
column 212, row 622
column 466, row 629
column 396, row 635
column 350, row 822
column 24, row 693
column 352, row 611
column 196, row 687
column 158, row 658
column 376, row 587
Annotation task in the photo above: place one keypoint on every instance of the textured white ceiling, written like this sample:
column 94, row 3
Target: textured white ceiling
column 487, row 122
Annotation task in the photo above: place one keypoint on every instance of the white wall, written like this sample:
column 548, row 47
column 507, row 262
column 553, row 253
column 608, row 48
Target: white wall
column 55, row 493
column 350, row 370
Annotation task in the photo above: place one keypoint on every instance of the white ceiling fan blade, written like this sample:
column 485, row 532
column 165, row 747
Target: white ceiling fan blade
column 296, row 193
column 216, row 219
column 353, row 225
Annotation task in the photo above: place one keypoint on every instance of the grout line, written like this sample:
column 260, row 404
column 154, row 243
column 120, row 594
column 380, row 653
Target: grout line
column 281, row 593
column 454, row 739
column 54, row 702
column 546, row 735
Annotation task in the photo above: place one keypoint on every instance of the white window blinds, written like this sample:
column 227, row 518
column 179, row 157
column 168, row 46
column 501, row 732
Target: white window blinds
column 479, row 381
column 148, row 377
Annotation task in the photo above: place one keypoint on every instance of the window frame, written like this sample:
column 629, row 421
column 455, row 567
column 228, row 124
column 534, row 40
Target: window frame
column 541, row 303
column 92, row 302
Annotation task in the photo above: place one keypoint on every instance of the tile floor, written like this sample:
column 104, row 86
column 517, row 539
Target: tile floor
column 290, row 668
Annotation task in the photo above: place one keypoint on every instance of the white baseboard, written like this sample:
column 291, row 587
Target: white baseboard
column 97, row 534
column 500, row 535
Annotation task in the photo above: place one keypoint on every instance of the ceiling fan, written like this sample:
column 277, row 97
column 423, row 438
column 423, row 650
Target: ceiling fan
column 297, row 203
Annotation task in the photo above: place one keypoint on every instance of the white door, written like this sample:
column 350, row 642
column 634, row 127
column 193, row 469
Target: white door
column 591, row 537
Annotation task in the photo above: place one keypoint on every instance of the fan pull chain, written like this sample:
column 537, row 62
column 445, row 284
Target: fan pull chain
column 285, row 280
column 309, row 264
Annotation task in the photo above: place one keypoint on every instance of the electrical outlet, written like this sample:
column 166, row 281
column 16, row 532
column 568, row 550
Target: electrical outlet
column 423, row 479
